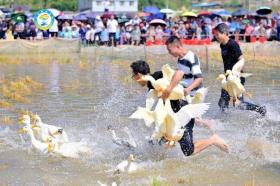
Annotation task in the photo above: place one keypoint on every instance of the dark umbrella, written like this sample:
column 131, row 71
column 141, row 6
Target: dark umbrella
column 80, row 17
column 65, row 17
column 91, row 15
column 264, row 10
column 223, row 13
column 151, row 9
column 240, row 12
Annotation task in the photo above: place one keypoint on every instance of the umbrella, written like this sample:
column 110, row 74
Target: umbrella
column 264, row 10
column 1, row 13
column 157, row 22
column 151, row 9
column 167, row 11
column 91, row 15
column 65, row 17
column 189, row 14
column 80, row 17
column 54, row 11
column 122, row 19
column 204, row 13
column 240, row 12
column 205, row 5
column 143, row 14
column 18, row 17
column 223, row 13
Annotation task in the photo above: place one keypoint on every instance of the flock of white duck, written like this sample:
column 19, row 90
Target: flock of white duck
column 167, row 123
column 50, row 139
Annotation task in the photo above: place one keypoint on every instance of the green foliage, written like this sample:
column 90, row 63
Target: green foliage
column 63, row 5
column 173, row 4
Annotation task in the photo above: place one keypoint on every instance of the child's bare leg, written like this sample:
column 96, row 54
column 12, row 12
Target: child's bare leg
column 205, row 123
column 200, row 145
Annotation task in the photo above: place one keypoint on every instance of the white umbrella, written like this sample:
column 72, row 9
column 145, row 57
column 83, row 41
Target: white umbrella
column 55, row 12
column 167, row 11
column 158, row 21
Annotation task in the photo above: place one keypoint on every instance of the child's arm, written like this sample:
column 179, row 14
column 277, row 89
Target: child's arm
column 177, row 77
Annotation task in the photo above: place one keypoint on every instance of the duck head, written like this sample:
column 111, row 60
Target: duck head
column 25, row 129
column 131, row 158
column 221, row 77
column 25, row 119
column 228, row 72
column 37, row 120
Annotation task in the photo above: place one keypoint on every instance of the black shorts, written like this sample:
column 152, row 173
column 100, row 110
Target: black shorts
column 186, row 142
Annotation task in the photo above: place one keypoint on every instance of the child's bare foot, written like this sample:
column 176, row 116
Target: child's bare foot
column 220, row 143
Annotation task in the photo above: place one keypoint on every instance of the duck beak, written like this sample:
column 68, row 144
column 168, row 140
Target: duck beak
column 21, row 131
column 20, row 121
column 50, row 148
column 34, row 126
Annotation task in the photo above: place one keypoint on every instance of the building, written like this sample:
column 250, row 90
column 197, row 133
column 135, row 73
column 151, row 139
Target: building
column 118, row 6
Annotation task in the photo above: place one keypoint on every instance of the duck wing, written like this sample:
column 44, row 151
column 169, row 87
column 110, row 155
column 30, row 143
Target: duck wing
column 145, row 114
column 188, row 112
column 167, row 72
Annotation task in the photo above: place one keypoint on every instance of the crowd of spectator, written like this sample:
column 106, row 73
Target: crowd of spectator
column 138, row 30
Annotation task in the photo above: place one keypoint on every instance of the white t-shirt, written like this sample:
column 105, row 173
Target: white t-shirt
column 112, row 26
column 190, row 65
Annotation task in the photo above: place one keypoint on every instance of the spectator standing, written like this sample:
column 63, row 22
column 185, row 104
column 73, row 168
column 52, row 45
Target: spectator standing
column 112, row 25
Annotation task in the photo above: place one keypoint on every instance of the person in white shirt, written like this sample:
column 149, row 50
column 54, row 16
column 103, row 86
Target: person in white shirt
column 54, row 29
column 112, row 25
column 99, row 26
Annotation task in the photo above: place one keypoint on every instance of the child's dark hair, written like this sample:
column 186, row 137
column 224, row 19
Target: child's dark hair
column 222, row 28
column 173, row 40
column 140, row 66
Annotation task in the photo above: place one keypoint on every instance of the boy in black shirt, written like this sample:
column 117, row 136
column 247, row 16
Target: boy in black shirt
column 231, row 55
column 140, row 68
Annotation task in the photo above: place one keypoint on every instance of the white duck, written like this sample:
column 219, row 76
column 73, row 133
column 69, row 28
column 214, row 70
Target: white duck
column 146, row 113
column 172, row 127
column 26, row 120
column 198, row 97
column 130, row 142
column 47, row 131
column 68, row 149
column 39, row 146
column 161, row 84
column 232, row 85
column 127, row 166
column 103, row 184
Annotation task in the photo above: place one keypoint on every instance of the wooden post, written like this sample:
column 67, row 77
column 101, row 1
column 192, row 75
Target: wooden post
column 145, row 52
column 254, row 53
column 207, row 57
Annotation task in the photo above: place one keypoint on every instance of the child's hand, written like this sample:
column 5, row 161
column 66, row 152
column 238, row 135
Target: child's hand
column 165, row 94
